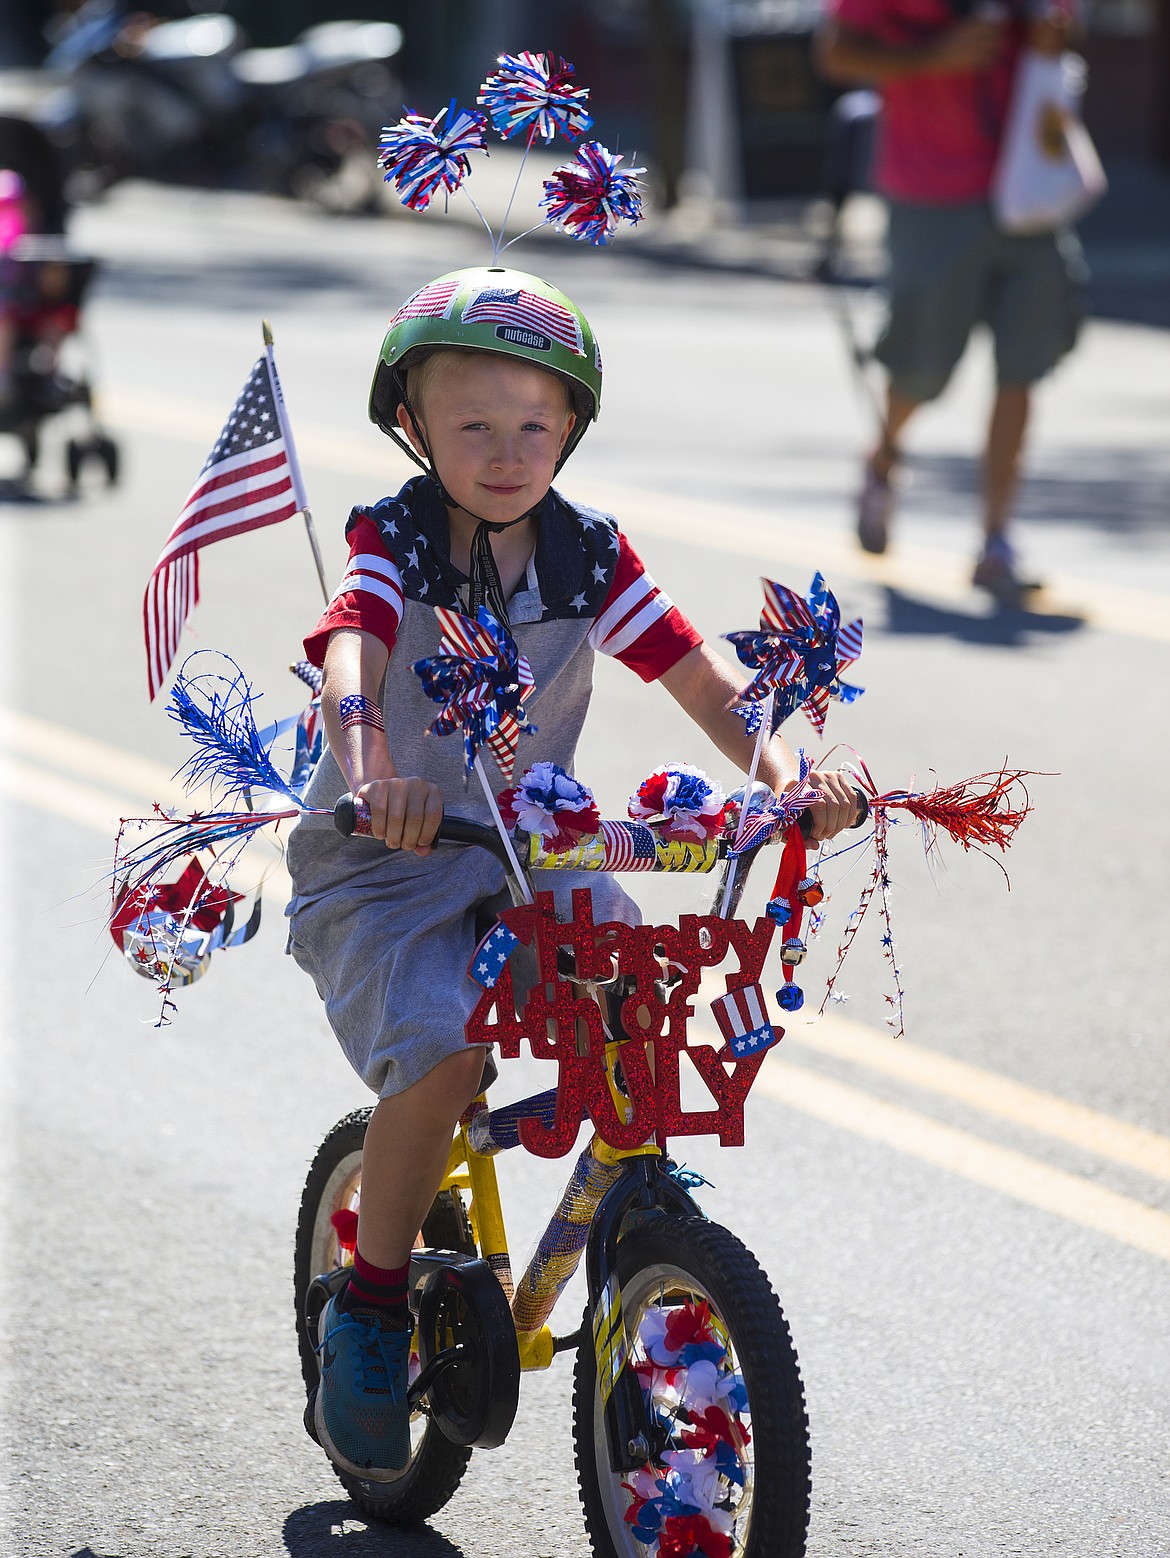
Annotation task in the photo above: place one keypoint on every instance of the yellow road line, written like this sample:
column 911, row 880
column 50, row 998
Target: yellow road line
column 1011, row 1173
column 135, row 784
column 1058, row 1118
column 713, row 526
column 98, row 762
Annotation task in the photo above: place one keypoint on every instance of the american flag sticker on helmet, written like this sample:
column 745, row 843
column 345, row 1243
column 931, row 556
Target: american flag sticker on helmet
column 743, row 1021
column 527, row 313
column 430, row 302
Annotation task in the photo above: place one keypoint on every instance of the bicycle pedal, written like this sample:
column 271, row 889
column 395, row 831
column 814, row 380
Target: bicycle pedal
column 309, row 1418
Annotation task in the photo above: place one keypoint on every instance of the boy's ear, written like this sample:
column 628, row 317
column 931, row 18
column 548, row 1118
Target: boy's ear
column 570, row 424
column 406, row 423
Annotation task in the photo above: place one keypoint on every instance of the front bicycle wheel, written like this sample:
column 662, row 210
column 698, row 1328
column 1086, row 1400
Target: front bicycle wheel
column 708, row 1340
column 328, row 1204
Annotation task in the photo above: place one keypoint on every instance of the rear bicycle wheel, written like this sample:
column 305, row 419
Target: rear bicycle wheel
column 709, row 1342
column 436, row 1466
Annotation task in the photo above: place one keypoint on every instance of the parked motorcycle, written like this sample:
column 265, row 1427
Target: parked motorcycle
column 188, row 101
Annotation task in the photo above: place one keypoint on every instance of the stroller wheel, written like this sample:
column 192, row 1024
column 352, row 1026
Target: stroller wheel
column 108, row 453
column 74, row 458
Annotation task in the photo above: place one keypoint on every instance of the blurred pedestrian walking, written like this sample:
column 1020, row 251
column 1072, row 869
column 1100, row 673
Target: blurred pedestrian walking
column 945, row 76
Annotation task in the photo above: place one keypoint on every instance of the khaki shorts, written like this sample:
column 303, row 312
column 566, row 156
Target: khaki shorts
column 951, row 269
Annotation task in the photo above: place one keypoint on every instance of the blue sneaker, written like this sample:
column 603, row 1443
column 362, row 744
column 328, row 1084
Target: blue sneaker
column 361, row 1415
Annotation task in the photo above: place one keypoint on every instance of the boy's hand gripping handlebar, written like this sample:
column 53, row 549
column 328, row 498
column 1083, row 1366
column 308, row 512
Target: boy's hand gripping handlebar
column 351, row 816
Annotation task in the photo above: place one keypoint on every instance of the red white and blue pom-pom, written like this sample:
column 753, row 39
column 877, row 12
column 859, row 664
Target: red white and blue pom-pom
column 420, row 156
column 590, row 196
column 551, row 803
column 681, row 802
column 527, row 95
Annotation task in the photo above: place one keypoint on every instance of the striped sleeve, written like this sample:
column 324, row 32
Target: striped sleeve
column 369, row 596
column 638, row 623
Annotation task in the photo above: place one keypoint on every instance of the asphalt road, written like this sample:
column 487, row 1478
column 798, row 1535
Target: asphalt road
column 970, row 1231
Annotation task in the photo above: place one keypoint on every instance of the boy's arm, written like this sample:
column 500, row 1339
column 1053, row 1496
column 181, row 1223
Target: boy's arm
column 404, row 812
column 707, row 688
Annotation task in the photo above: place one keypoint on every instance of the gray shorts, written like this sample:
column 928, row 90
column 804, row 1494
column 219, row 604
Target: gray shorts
column 389, row 954
column 951, row 269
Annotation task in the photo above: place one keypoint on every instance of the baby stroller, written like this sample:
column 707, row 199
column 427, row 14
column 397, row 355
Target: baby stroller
column 42, row 289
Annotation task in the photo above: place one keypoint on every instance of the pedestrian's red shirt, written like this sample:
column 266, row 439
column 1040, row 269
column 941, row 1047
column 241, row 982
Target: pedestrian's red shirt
column 938, row 136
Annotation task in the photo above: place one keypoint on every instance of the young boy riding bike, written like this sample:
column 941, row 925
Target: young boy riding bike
column 492, row 377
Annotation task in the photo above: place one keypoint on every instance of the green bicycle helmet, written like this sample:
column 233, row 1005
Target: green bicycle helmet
column 491, row 310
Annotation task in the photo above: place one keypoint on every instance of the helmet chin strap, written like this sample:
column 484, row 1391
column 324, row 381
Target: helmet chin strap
column 485, row 587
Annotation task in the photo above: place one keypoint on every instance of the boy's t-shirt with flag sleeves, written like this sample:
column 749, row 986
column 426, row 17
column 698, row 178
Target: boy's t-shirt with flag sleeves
column 585, row 591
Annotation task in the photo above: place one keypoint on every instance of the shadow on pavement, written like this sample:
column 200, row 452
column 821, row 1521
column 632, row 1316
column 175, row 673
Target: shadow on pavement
column 1123, row 490
column 1002, row 627
column 338, row 1530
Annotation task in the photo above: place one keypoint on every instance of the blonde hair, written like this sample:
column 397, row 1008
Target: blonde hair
column 423, row 364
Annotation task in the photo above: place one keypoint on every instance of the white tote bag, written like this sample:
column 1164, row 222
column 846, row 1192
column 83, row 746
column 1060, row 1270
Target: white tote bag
column 1049, row 173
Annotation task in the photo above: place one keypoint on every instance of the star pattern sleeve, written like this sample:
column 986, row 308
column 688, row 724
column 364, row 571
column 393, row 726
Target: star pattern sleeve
column 369, row 596
column 638, row 623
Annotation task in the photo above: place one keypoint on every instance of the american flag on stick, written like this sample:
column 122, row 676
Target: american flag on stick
column 250, row 479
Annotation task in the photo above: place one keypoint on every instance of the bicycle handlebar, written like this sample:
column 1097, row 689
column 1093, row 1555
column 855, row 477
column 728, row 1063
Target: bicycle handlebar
column 351, row 817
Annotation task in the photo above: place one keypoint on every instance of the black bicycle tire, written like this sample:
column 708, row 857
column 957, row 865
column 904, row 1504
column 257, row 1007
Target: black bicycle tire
column 437, row 1466
column 743, row 1296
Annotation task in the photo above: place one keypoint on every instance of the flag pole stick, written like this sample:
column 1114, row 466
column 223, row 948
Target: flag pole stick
column 762, row 735
column 501, row 829
column 293, row 463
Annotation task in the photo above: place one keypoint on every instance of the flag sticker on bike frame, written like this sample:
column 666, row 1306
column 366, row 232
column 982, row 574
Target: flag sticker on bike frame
column 609, row 1338
column 743, row 1021
column 491, row 955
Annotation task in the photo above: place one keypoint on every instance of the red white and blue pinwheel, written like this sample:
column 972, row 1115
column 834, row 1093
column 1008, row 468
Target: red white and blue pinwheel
column 532, row 94
column 481, row 680
column 798, row 654
column 590, row 196
column 420, row 156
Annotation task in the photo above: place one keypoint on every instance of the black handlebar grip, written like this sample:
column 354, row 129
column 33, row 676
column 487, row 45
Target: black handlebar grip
column 351, row 816
column 804, row 822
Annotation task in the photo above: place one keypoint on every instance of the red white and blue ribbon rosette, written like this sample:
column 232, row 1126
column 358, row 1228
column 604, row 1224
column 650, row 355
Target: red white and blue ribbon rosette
column 680, row 802
column 550, row 803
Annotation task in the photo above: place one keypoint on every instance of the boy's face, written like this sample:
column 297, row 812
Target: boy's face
column 495, row 428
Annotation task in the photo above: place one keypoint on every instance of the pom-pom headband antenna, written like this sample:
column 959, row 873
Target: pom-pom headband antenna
column 529, row 95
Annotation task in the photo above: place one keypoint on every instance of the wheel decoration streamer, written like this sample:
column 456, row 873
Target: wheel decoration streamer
column 684, row 1503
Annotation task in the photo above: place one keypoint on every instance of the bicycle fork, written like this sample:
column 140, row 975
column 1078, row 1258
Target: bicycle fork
column 644, row 1190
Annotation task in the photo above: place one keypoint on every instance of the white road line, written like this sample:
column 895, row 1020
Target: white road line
column 1011, row 1173
column 720, row 527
